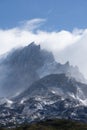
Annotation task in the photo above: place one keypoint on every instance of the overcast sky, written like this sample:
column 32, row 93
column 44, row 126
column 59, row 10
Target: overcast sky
column 58, row 25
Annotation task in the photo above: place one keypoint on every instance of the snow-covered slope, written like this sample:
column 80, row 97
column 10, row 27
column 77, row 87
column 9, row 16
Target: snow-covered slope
column 54, row 96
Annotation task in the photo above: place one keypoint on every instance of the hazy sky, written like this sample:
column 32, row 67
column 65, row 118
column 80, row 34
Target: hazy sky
column 58, row 25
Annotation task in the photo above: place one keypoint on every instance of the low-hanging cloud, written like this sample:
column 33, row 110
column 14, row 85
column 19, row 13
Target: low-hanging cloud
column 65, row 45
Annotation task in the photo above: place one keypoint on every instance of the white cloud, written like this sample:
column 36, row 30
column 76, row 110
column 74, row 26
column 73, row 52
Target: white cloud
column 76, row 53
column 65, row 45
column 30, row 25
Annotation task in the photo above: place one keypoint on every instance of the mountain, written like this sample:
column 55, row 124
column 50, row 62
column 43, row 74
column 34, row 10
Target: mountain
column 23, row 66
column 34, row 87
column 54, row 96
column 19, row 68
column 59, row 84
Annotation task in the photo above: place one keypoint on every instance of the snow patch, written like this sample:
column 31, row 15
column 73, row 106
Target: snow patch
column 6, row 101
column 53, row 92
column 22, row 101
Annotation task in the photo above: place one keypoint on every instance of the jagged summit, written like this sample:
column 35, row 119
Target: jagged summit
column 26, row 65
column 32, row 45
column 20, row 68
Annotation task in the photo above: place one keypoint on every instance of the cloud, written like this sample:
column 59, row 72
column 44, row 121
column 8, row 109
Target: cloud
column 64, row 44
column 24, row 34
column 76, row 53
column 31, row 25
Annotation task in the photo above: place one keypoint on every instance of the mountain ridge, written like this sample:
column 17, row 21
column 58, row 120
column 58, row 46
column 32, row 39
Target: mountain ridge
column 54, row 96
column 36, row 87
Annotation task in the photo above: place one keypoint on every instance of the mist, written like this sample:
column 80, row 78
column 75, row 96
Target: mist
column 65, row 45
column 76, row 54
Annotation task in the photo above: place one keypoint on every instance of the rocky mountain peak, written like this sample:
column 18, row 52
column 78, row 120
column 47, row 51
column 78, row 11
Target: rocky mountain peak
column 26, row 65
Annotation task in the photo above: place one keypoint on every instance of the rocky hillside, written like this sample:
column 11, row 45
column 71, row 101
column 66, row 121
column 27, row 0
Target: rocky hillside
column 54, row 96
